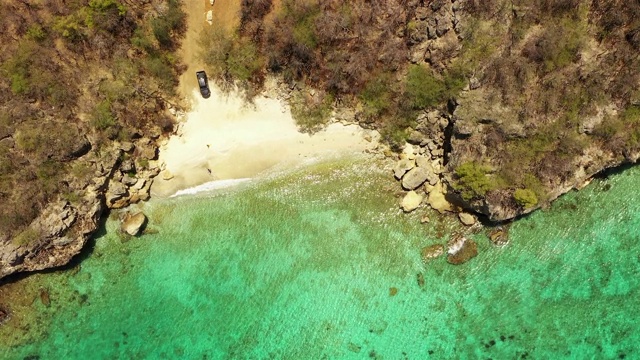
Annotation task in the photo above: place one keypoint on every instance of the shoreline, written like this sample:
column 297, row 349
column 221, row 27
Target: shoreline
column 225, row 138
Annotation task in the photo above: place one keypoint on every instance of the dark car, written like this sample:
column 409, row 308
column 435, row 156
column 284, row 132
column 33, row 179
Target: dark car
column 203, row 83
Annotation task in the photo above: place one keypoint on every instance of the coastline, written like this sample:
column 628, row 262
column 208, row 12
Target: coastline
column 225, row 138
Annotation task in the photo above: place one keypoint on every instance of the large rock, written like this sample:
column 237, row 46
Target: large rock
column 399, row 170
column 115, row 192
column 131, row 224
column 461, row 250
column 129, row 180
column 411, row 201
column 437, row 200
column 417, row 176
column 466, row 218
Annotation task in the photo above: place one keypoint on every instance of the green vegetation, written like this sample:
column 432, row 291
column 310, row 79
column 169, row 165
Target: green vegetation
column 423, row 88
column 311, row 113
column 46, row 93
column 102, row 117
column 229, row 57
column 26, row 237
column 377, row 97
column 474, row 180
column 525, row 198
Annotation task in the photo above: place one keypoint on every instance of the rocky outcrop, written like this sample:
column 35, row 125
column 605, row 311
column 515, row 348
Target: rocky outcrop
column 420, row 166
column 104, row 180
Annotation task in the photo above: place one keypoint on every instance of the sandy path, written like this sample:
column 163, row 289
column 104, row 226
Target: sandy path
column 223, row 138
column 225, row 14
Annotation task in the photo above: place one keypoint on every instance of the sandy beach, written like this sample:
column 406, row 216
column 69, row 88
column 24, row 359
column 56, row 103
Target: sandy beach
column 224, row 138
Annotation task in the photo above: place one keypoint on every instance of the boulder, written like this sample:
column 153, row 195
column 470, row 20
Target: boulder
column 129, row 180
column 437, row 201
column 499, row 236
column 127, row 146
column 408, row 152
column 411, row 201
column 131, row 224
column 461, row 250
column 115, row 192
column 417, row 176
column 466, row 218
column 431, row 252
column 416, row 138
column 423, row 162
column 127, row 166
column 399, row 170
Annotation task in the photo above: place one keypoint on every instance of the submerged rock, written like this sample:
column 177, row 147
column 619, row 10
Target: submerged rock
column 4, row 315
column 499, row 236
column 461, row 250
column 431, row 252
column 131, row 224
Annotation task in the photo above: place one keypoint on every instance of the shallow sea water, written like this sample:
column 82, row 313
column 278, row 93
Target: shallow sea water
column 301, row 266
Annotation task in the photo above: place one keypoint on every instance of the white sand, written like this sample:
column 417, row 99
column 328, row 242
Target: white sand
column 223, row 138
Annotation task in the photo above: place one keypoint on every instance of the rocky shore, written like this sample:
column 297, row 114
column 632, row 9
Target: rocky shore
column 111, row 179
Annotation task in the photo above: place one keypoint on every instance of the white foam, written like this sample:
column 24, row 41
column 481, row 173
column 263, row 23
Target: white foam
column 211, row 185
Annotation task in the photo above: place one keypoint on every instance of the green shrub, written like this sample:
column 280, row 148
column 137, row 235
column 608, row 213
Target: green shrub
column 303, row 14
column 309, row 114
column 243, row 61
column 473, row 180
column 28, row 139
column 525, row 198
column 36, row 32
column 376, row 97
column 70, row 27
column 423, row 88
column 102, row 117
column 164, row 26
column 26, row 237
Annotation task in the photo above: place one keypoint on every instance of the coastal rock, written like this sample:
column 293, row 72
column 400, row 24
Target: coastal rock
column 461, row 250
column 115, row 192
column 401, row 168
column 131, row 224
column 167, row 175
column 411, row 201
column 409, row 152
column 417, row 176
column 437, row 200
column 466, row 218
column 129, row 180
column 417, row 138
column 431, row 252
column 499, row 236
column 127, row 166
column 4, row 315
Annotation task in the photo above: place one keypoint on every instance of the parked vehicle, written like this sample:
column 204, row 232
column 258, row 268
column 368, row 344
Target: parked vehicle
column 203, row 83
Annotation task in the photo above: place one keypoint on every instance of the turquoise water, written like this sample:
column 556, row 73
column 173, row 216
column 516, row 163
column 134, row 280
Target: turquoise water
column 301, row 267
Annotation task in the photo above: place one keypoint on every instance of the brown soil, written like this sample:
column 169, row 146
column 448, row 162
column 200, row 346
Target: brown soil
column 225, row 14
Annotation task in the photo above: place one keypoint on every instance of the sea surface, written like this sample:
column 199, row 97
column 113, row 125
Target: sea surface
column 321, row 264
